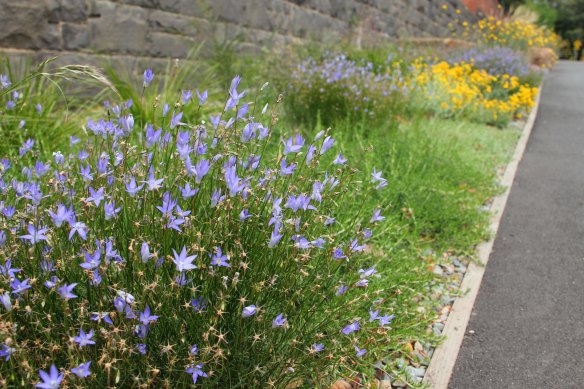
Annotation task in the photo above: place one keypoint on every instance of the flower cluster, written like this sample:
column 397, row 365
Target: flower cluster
column 172, row 252
column 463, row 90
column 517, row 34
column 494, row 60
column 337, row 87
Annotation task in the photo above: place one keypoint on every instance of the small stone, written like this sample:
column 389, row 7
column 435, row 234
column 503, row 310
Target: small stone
column 456, row 262
column 340, row 384
column 415, row 371
column 438, row 271
column 399, row 383
column 400, row 363
column 384, row 384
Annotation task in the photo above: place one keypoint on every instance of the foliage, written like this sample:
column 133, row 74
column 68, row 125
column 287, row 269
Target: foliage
column 33, row 103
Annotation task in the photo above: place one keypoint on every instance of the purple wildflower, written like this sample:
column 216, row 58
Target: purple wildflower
column 148, row 77
column 35, row 234
column 182, row 261
column 377, row 216
column 249, row 311
column 84, row 339
column 219, row 259
column 202, row 97
column 279, row 321
column 51, row 380
column 82, row 371
column 146, row 318
column 326, row 144
column 92, row 261
column 6, row 352
column 66, row 291
column 349, row 328
column 18, row 286
column 196, row 372
column 317, row 347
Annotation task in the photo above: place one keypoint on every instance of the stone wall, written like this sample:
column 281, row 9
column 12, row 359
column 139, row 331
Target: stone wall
column 88, row 31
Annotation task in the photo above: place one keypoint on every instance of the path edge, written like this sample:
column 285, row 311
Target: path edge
column 445, row 355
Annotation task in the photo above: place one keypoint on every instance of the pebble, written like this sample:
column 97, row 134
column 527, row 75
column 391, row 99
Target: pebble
column 400, row 363
column 399, row 384
column 384, row 384
column 456, row 262
column 438, row 270
column 415, row 371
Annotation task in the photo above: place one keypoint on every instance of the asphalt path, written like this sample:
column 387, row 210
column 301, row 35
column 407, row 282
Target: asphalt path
column 527, row 325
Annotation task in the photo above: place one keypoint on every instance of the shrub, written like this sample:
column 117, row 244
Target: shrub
column 179, row 251
column 338, row 88
column 517, row 34
column 460, row 90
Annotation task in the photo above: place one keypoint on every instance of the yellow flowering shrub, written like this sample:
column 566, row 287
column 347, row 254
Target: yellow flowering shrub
column 517, row 34
column 462, row 90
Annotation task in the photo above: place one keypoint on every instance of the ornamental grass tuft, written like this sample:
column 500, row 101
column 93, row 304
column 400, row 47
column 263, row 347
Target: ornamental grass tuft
column 179, row 251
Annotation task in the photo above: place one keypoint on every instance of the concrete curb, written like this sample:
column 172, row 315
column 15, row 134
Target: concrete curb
column 445, row 355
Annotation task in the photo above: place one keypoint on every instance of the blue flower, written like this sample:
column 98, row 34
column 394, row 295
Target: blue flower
column 341, row 290
column 385, row 320
column 199, row 304
column 35, row 234
column 186, row 95
column 62, row 215
column 196, row 372
column 19, row 286
column 82, row 371
column 4, row 81
column 132, row 188
column 294, row 144
column 146, row 318
column 340, row 160
column 141, row 347
column 152, row 182
column 66, row 291
column 148, row 77
column 8, row 270
column 51, row 380
column 326, row 144
column 92, row 261
column 349, row 328
column 360, row 351
column 110, row 210
column 376, row 216
column 6, row 352
column 98, row 316
column 182, row 261
column 79, row 228
column 202, row 97
column 84, row 339
column 317, row 347
column 175, row 120
column 219, row 259
column 279, row 321
column 248, row 311
column 95, row 196
column 6, row 302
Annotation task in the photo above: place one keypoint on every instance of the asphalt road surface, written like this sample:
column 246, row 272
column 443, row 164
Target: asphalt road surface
column 527, row 325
